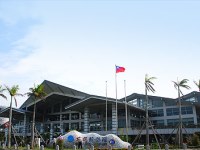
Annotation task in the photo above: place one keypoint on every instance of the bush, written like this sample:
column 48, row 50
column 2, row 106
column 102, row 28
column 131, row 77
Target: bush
column 60, row 142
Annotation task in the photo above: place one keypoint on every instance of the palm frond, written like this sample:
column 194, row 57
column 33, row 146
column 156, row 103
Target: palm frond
column 2, row 95
column 175, row 85
column 149, row 84
column 197, row 84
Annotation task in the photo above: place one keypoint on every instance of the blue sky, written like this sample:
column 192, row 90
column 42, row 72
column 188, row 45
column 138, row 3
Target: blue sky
column 78, row 43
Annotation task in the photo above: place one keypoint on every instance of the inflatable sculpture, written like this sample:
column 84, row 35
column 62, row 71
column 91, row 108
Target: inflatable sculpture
column 98, row 141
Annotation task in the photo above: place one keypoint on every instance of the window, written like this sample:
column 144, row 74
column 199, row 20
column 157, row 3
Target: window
column 186, row 110
column 133, row 102
column 188, row 121
column 158, row 122
column 121, row 112
column 170, row 103
column 156, row 113
column 66, row 127
column 95, row 126
column 56, row 127
column 172, row 111
column 192, row 99
column 157, row 103
column 121, row 123
column 172, row 122
column 75, row 116
column 65, row 117
column 75, row 126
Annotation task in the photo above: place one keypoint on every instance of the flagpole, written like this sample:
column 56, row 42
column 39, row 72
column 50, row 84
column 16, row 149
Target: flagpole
column 126, row 111
column 116, row 98
column 106, row 107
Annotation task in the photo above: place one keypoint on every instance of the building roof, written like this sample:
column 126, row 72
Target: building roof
column 54, row 88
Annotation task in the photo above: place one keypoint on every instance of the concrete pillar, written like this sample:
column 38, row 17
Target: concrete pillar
column 42, row 147
column 129, row 147
column 166, row 146
column 3, row 145
column 57, row 147
column 86, row 119
column 184, row 146
column 41, row 128
column 28, row 147
column 74, row 147
column 51, row 131
column 92, row 147
column 24, row 129
column 15, row 146
column 114, row 119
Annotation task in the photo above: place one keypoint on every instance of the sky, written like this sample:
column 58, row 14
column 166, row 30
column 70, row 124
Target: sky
column 78, row 43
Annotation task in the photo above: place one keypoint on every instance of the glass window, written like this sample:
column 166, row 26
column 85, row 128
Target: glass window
column 56, row 127
column 75, row 126
column 157, row 103
column 186, row 110
column 121, row 112
column 172, row 111
column 188, row 121
column 95, row 126
column 170, row 103
column 158, row 122
column 74, row 116
column 66, row 127
column 121, row 123
column 172, row 122
column 156, row 113
column 65, row 117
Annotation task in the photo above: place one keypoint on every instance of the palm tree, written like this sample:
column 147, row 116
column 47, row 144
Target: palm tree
column 197, row 84
column 13, row 91
column 148, row 87
column 178, row 85
column 1, row 92
column 38, row 93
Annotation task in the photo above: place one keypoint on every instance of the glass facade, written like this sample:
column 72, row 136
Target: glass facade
column 170, row 103
column 156, row 113
column 175, row 111
column 157, row 103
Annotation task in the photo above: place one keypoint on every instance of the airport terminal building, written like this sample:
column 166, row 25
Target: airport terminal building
column 65, row 109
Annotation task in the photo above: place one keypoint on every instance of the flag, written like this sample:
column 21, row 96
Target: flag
column 119, row 69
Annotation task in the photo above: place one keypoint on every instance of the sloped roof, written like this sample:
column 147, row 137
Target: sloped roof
column 54, row 88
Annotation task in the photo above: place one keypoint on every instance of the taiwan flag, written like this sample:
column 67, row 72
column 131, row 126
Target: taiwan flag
column 119, row 69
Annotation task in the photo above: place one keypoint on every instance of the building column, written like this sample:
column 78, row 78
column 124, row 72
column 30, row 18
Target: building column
column 80, row 121
column 41, row 128
column 86, row 119
column 24, row 129
column 51, row 131
column 195, row 115
column 114, row 119
column 165, row 113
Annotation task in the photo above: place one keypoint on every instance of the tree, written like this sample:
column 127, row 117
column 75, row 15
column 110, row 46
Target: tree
column 178, row 85
column 148, row 87
column 1, row 92
column 38, row 93
column 197, row 84
column 13, row 91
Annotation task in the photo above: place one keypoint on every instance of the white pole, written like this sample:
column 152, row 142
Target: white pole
column 106, row 108
column 116, row 98
column 126, row 111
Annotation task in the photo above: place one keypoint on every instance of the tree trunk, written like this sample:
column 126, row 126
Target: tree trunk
column 33, row 127
column 180, row 138
column 147, row 120
column 10, row 125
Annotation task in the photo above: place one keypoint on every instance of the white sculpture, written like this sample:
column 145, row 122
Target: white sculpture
column 89, row 139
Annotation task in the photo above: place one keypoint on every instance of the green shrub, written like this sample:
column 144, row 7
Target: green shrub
column 60, row 142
